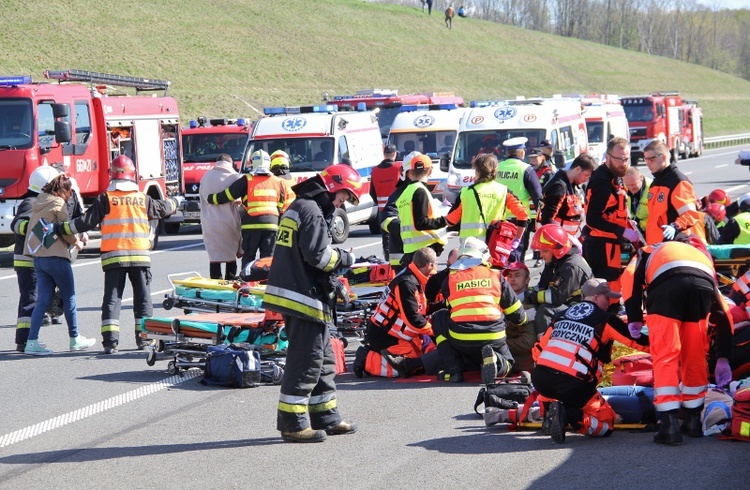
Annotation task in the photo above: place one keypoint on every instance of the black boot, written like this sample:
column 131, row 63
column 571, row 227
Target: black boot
column 360, row 358
column 692, row 426
column 669, row 431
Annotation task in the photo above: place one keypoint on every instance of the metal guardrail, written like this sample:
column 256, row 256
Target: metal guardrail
column 729, row 140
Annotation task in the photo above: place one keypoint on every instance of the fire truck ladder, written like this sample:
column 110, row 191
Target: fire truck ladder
column 92, row 77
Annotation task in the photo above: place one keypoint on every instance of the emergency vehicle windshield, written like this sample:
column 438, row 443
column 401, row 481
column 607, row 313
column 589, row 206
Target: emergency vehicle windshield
column 385, row 119
column 305, row 154
column 208, row 147
column 433, row 143
column 471, row 144
column 595, row 130
column 17, row 124
column 638, row 112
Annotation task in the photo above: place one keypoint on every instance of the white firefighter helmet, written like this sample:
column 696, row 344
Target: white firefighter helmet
column 261, row 162
column 40, row 177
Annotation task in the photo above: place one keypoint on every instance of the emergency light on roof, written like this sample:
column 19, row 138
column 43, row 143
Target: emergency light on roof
column 240, row 121
column 12, row 81
column 486, row 103
column 219, row 122
column 193, row 124
column 275, row 111
column 428, row 107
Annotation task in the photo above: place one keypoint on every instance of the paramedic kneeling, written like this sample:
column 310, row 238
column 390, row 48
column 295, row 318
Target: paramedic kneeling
column 301, row 287
column 569, row 360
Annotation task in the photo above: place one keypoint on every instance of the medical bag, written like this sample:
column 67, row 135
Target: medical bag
column 232, row 365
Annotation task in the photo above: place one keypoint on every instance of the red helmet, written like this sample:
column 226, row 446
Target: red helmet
column 717, row 210
column 122, row 168
column 343, row 178
column 720, row 196
column 554, row 238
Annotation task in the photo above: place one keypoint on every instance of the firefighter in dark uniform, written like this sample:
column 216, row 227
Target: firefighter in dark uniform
column 607, row 216
column 302, row 288
column 391, row 225
column 123, row 212
column 562, row 199
column 383, row 180
column 398, row 333
column 471, row 332
column 681, row 293
column 23, row 264
column 262, row 195
column 569, row 359
column 672, row 205
column 565, row 271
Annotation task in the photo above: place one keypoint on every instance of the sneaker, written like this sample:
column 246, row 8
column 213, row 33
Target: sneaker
column 33, row 348
column 46, row 320
column 396, row 362
column 305, row 435
column 489, row 365
column 110, row 349
column 558, row 421
column 81, row 343
column 56, row 320
column 142, row 343
column 342, row 428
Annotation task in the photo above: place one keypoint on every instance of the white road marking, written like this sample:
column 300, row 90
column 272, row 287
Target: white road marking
column 720, row 166
column 88, row 411
column 735, row 188
column 367, row 245
column 688, row 173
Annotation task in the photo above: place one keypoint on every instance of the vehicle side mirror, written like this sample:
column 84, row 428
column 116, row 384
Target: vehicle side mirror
column 62, row 132
column 445, row 160
column 559, row 158
column 60, row 110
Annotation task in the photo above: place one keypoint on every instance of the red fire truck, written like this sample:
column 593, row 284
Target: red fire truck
column 82, row 122
column 202, row 143
column 651, row 117
column 691, row 135
column 389, row 102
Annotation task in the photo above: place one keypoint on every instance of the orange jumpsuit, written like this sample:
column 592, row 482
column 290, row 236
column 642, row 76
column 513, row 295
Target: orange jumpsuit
column 671, row 200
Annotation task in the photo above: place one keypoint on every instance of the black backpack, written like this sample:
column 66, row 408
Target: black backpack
column 507, row 394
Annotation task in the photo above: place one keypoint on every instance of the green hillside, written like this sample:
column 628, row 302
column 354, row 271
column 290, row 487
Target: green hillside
column 226, row 57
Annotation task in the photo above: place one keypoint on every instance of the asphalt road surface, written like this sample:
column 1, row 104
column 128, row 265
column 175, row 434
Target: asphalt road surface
column 84, row 420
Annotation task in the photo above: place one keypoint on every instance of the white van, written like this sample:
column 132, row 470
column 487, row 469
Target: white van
column 316, row 137
column 428, row 129
column 486, row 125
column 605, row 119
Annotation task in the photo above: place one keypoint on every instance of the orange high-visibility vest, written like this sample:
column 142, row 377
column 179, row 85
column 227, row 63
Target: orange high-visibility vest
column 263, row 202
column 125, row 230
column 474, row 294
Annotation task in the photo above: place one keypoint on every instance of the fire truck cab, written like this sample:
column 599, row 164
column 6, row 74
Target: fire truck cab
column 389, row 103
column 428, row 129
column 202, row 143
column 80, row 124
column 486, row 125
column 315, row 137
column 651, row 117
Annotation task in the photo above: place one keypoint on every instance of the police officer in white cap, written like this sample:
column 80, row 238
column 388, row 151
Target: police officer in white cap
column 520, row 178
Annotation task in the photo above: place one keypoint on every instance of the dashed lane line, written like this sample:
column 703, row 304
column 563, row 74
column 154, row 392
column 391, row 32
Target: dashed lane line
column 95, row 408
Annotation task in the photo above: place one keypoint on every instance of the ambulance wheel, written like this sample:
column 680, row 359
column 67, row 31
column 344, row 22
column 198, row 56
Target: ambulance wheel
column 171, row 228
column 374, row 226
column 172, row 368
column 151, row 358
column 339, row 226
column 168, row 303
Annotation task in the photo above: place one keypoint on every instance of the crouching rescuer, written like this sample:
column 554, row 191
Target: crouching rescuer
column 569, row 359
column 301, row 287
column 398, row 334
column 123, row 212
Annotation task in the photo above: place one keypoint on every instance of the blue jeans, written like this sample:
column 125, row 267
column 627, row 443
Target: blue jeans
column 51, row 272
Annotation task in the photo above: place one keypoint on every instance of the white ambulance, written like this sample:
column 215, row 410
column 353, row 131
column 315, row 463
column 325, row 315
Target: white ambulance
column 316, row 137
column 605, row 119
column 429, row 129
column 485, row 126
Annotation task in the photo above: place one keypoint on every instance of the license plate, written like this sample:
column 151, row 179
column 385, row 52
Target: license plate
column 193, row 215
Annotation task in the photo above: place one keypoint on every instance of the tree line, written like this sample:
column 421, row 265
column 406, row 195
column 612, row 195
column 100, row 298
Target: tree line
column 684, row 30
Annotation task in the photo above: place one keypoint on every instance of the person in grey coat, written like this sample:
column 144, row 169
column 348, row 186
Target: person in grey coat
column 221, row 223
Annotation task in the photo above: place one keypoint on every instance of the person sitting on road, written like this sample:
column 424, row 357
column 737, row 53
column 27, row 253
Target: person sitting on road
column 398, row 333
column 520, row 338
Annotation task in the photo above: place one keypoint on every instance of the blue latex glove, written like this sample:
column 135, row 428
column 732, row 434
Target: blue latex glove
column 635, row 329
column 668, row 232
column 631, row 235
column 722, row 372
column 515, row 243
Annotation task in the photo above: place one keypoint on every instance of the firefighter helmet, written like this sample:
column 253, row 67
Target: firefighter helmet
column 40, row 177
column 343, row 178
column 122, row 168
column 554, row 238
column 476, row 248
column 260, row 160
column 406, row 162
column 717, row 210
column 281, row 153
column 720, row 196
column 280, row 161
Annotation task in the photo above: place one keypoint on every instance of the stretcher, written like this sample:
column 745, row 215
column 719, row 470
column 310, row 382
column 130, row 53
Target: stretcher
column 351, row 317
column 192, row 292
column 184, row 340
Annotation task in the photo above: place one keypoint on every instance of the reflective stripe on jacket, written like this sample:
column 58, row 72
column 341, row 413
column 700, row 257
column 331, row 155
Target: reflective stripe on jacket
column 415, row 239
column 125, row 230
column 510, row 173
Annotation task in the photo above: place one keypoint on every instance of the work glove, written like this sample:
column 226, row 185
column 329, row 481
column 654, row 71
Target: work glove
column 631, row 235
column 347, row 258
column 635, row 329
column 515, row 243
column 339, row 291
column 722, row 372
column 669, row 232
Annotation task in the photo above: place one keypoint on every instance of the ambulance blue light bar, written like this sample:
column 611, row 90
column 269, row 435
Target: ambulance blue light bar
column 486, row 103
column 428, row 107
column 271, row 111
column 12, row 81
column 193, row 124
column 240, row 121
